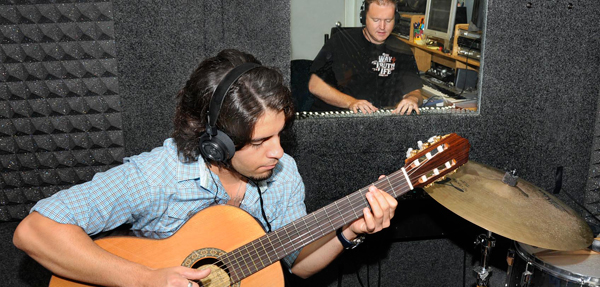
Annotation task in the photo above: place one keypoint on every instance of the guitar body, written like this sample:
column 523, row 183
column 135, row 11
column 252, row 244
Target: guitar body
column 209, row 233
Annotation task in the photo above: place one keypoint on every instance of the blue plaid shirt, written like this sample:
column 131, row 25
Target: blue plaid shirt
column 156, row 193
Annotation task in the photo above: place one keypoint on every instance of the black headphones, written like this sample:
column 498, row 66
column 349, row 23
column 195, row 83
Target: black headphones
column 215, row 144
column 363, row 14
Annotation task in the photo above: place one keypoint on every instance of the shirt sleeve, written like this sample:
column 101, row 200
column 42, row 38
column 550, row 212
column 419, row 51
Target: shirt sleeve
column 323, row 63
column 101, row 204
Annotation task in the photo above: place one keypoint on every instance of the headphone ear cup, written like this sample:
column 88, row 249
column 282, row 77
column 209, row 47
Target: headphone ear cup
column 362, row 17
column 219, row 147
column 396, row 18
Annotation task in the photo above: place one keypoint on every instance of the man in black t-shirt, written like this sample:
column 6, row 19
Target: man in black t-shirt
column 360, row 70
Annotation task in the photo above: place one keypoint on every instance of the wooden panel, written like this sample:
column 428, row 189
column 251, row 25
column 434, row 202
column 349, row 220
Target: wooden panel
column 422, row 58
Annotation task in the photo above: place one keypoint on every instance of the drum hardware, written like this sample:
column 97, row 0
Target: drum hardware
column 526, row 276
column 510, row 178
column 487, row 242
column 596, row 244
column 510, row 260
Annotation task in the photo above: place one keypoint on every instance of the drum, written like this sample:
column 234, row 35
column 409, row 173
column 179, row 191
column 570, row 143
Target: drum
column 543, row 267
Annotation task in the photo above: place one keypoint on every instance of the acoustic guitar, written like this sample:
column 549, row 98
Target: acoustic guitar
column 234, row 246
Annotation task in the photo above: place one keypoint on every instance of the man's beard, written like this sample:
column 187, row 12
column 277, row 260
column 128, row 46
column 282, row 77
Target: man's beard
column 257, row 179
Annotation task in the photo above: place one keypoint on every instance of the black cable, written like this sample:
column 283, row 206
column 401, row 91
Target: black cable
column 379, row 272
column 464, row 268
column 216, row 185
column 340, row 274
column 368, row 276
column 358, row 277
column 583, row 207
column 467, row 67
column 558, row 186
column 262, row 207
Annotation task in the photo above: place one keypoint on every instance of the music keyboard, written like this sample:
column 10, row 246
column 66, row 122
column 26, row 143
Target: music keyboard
column 381, row 113
column 432, row 92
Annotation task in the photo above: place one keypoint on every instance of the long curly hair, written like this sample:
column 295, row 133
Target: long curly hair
column 255, row 92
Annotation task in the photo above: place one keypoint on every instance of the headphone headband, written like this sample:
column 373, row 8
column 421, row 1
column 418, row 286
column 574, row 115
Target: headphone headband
column 215, row 144
column 363, row 13
column 218, row 95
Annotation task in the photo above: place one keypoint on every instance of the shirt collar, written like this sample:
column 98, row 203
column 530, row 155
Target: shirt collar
column 198, row 170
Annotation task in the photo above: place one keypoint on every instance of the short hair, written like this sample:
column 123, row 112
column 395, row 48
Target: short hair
column 380, row 2
column 255, row 92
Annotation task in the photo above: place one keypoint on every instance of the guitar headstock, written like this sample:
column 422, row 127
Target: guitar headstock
column 436, row 158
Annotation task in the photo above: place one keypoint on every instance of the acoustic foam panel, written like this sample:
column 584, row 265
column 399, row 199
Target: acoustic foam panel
column 60, row 112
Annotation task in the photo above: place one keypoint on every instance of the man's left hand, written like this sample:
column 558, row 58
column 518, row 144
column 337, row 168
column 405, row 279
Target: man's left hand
column 383, row 206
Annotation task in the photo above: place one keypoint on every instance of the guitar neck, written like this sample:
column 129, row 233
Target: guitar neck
column 264, row 251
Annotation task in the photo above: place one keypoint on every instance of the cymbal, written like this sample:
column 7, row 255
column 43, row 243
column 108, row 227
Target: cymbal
column 524, row 213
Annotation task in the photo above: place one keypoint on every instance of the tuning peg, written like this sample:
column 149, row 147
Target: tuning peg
column 420, row 145
column 414, row 152
column 434, row 139
column 409, row 152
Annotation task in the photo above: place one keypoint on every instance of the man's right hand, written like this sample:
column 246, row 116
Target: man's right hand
column 363, row 106
column 67, row 251
column 177, row 276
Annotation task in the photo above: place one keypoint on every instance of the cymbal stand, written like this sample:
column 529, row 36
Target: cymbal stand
column 487, row 242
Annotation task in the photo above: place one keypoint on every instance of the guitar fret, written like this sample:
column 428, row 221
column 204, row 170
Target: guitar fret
column 246, row 266
column 317, row 222
column 354, row 210
column 268, row 238
column 297, row 231
column 264, row 250
column 307, row 231
column 390, row 184
column 234, row 268
column 253, row 258
column 281, row 243
column 332, row 226
column 338, row 210
column 288, row 237
column 302, row 232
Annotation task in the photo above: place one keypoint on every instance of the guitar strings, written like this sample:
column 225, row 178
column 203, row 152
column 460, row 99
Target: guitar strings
column 343, row 207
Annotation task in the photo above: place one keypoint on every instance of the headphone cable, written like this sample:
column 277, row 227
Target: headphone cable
column 262, row 206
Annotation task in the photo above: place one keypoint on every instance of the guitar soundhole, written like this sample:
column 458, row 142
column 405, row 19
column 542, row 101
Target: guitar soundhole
column 207, row 258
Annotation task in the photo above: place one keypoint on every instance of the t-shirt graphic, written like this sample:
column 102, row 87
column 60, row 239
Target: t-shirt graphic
column 384, row 65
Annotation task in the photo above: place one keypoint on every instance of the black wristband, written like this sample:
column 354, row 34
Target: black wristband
column 349, row 244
